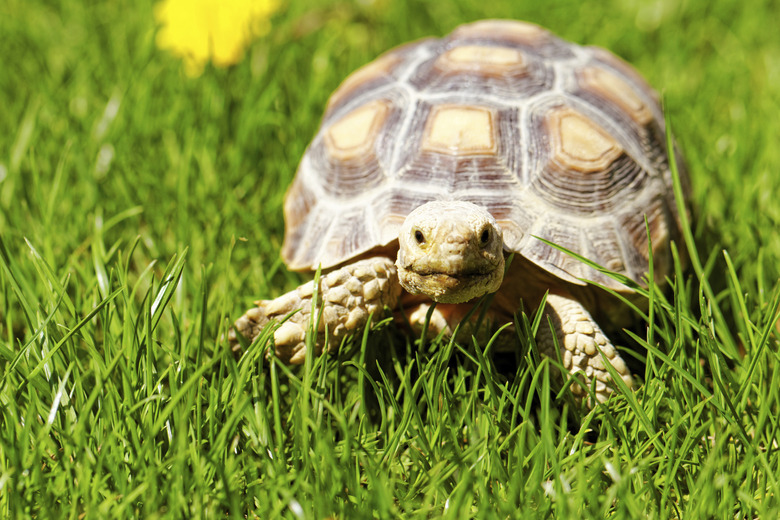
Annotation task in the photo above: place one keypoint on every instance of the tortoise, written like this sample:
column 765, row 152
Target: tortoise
column 442, row 157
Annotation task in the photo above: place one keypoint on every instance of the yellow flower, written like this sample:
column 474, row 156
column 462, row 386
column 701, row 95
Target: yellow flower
column 216, row 30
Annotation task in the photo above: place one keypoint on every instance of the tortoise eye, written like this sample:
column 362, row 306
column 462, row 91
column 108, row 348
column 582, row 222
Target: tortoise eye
column 419, row 237
column 484, row 238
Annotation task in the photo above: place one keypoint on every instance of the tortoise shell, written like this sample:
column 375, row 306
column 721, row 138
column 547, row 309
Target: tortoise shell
column 555, row 140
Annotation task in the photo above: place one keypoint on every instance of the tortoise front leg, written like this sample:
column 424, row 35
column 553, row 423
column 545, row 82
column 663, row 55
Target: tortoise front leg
column 347, row 297
column 580, row 339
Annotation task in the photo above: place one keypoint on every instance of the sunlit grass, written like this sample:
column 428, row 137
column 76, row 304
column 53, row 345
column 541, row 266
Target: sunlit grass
column 140, row 213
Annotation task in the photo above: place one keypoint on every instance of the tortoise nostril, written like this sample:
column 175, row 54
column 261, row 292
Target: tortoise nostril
column 484, row 238
column 457, row 239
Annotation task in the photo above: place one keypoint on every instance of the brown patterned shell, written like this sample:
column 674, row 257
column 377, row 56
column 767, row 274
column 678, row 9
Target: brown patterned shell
column 556, row 140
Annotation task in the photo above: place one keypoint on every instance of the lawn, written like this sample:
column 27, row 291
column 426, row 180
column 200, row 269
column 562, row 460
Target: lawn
column 140, row 214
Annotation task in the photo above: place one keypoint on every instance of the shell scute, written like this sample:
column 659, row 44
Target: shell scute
column 604, row 246
column 611, row 88
column 461, row 148
column 383, row 71
column 460, row 130
column 355, row 133
column 511, row 31
column 499, row 70
column 580, row 144
column 579, row 166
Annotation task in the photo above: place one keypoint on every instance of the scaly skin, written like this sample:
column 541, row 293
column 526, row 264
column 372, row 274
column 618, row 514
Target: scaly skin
column 452, row 253
column 347, row 296
column 582, row 344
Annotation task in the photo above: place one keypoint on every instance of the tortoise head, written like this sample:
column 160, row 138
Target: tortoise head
column 450, row 251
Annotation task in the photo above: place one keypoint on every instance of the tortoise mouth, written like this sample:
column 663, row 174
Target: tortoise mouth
column 452, row 280
column 457, row 275
column 451, row 287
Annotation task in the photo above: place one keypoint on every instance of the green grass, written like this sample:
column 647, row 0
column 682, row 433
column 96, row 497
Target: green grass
column 140, row 213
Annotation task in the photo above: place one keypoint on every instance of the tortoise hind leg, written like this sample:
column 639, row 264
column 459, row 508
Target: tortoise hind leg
column 580, row 339
column 347, row 296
